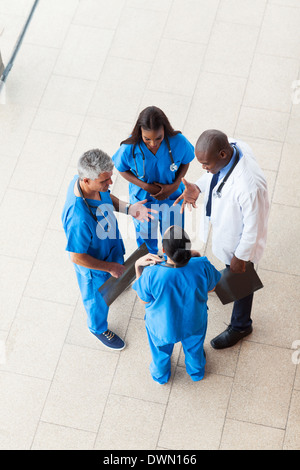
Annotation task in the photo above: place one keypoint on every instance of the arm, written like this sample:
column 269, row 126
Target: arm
column 141, row 263
column 189, row 195
column 138, row 210
column 167, row 189
column 88, row 261
column 150, row 188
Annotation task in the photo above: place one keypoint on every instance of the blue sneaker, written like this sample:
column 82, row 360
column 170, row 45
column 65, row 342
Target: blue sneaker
column 111, row 340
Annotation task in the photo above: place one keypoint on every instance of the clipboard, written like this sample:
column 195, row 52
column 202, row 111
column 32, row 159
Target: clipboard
column 234, row 286
column 113, row 287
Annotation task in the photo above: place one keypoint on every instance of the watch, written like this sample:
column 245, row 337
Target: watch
column 127, row 208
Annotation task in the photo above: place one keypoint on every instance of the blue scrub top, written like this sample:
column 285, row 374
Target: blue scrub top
column 157, row 167
column 84, row 235
column 177, row 298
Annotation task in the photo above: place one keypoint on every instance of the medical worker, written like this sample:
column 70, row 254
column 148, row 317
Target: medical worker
column 93, row 238
column 154, row 159
column 237, row 206
column 175, row 296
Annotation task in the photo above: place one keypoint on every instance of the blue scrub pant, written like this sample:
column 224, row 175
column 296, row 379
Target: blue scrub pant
column 168, row 215
column 95, row 307
column 160, row 367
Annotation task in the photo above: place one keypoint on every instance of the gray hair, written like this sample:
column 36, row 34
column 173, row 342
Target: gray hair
column 92, row 163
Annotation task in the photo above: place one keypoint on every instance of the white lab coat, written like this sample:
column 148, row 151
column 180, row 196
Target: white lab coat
column 239, row 217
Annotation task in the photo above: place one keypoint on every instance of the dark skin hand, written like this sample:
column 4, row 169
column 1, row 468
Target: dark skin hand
column 157, row 190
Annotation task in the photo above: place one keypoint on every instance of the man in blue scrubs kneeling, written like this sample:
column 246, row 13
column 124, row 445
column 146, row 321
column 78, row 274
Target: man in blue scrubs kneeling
column 93, row 239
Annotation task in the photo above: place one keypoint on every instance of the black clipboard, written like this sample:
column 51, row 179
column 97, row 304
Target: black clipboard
column 234, row 286
column 113, row 287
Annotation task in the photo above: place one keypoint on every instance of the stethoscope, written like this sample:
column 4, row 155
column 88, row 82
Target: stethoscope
column 173, row 166
column 108, row 225
column 221, row 186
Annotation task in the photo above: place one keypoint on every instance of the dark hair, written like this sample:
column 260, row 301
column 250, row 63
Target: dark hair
column 150, row 119
column 212, row 140
column 177, row 245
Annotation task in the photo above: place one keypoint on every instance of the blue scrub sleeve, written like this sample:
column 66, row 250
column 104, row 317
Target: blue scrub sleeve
column 189, row 152
column 141, row 286
column 78, row 236
column 212, row 274
column 120, row 158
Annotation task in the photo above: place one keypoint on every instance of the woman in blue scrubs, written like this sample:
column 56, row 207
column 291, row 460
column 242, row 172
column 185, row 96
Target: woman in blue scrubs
column 93, row 238
column 154, row 159
column 175, row 295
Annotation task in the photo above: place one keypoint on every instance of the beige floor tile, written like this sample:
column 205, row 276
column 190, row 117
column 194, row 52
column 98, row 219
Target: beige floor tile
column 119, row 90
column 100, row 133
column 292, row 135
column 53, row 437
column 53, row 277
column 262, row 385
column 262, row 123
column 200, row 408
column 79, row 390
column 58, row 122
column 13, row 277
column 238, row 435
column 138, row 34
column 50, row 22
column 248, row 12
column 7, row 166
column 270, row 81
column 215, row 105
column 157, row 5
column 220, row 56
column 84, row 52
column 15, row 125
column 191, row 20
column 267, row 152
column 60, row 92
column 176, row 107
column 53, row 151
column 132, row 377
column 292, row 437
column 280, row 34
column 296, row 360
column 287, row 188
column 30, row 75
column 138, row 427
column 21, row 403
column 26, row 215
column 275, row 310
column 99, row 13
column 282, row 250
column 29, row 350
column 167, row 68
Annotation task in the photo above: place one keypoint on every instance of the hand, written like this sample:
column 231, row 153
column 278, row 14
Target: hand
column 237, row 265
column 116, row 269
column 189, row 196
column 148, row 260
column 141, row 212
column 195, row 254
column 165, row 191
column 151, row 188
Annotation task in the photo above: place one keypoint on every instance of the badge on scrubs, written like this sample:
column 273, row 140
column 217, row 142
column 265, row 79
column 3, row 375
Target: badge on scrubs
column 173, row 167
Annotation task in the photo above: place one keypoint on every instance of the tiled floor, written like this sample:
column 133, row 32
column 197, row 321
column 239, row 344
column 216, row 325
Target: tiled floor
column 84, row 71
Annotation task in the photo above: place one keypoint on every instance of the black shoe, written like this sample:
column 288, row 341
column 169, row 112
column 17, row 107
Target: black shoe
column 229, row 338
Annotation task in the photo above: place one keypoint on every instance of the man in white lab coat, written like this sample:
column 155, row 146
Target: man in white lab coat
column 236, row 204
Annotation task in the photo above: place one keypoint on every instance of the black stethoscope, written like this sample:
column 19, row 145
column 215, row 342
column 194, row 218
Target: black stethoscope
column 108, row 225
column 173, row 166
column 221, row 186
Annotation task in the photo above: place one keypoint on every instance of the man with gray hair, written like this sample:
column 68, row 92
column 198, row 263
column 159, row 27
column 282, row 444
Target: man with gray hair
column 93, row 239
